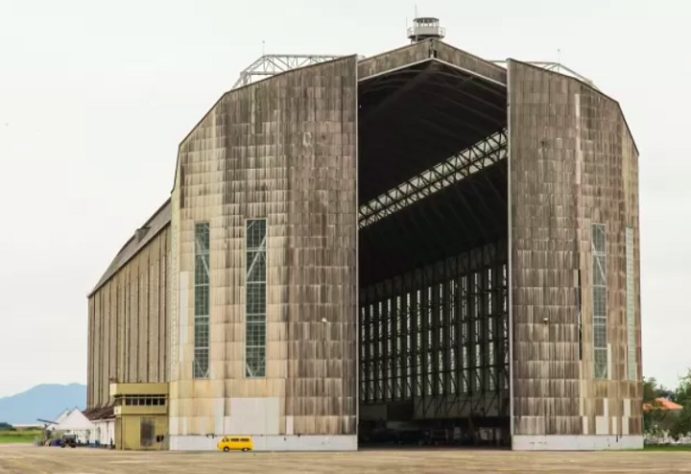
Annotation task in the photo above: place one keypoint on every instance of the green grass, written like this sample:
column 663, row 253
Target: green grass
column 668, row 447
column 23, row 437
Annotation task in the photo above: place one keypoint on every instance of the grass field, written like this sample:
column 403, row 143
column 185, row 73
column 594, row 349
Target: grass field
column 668, row 447
column 19, row 437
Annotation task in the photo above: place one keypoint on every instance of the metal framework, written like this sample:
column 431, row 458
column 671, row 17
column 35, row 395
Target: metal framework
column 271, row 64
column 202, row 302
column 438, row 336
column 600, row 317
column 255, row 302
column 459, row 166
column 554, row 67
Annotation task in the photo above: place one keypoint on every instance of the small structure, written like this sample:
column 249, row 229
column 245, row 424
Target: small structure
column 424, row 28
column 73, row 422
column 103, row 433
column 140, row 415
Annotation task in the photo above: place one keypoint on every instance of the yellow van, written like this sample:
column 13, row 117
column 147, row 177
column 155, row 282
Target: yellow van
column 236, row 443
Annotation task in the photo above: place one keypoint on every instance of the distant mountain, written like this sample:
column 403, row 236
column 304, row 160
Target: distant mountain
column 45, row 401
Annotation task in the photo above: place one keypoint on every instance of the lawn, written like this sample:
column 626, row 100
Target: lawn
column 24, row 437
column 668, row 447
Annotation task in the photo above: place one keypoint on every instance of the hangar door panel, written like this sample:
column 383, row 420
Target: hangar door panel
column 544, row 259
column 303, row 124
column 573, row 187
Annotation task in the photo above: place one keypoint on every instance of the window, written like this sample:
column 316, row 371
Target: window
column 631, row 307
column 255, row 302
column 201, row 301
column 599, row 301
column 141, row 400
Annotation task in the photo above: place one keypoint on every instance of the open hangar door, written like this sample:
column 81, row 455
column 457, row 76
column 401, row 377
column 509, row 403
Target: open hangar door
column 433, row 300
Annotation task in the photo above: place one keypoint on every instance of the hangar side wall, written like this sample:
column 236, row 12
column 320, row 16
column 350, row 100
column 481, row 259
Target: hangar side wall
column 128, row 320
column 572, row 164
column 284, row 150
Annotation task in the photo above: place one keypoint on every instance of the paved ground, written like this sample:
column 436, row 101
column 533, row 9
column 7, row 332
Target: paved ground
column 33, row 460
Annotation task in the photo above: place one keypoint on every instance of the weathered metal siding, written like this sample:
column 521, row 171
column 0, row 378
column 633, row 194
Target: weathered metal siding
column 283, row 149
column 90, row 362
column 128, row 323
column 572, row 163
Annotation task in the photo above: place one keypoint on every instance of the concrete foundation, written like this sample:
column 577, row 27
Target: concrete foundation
column 270, row 443
column 575, row 443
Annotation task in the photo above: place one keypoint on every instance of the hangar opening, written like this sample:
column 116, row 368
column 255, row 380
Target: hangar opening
column 433, row 298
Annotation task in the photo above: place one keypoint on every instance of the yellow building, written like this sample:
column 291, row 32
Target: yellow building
column 141, row 415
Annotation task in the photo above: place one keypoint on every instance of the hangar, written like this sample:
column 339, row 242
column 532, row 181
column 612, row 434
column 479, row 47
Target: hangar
column 420, row 246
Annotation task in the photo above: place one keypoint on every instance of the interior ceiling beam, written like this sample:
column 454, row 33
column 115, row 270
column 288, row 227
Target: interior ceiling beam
column 393, row 81
column 482, row 154
column 407, row 86
column 467, row 102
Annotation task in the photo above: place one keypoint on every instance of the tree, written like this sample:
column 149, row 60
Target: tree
column 655, row 421
column 650, row 389
column 683, row 392
column 682, row 395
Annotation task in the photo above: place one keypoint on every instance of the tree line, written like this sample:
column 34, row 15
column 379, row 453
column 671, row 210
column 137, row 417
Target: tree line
column 657, row 421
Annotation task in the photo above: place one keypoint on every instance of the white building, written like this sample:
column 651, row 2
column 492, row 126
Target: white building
column 74, row 422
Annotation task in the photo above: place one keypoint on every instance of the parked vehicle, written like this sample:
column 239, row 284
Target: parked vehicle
column 236, row 443
column 67, row 440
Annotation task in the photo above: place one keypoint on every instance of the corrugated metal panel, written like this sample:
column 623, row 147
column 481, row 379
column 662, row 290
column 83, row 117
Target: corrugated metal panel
column 571, row 160
column 283, row 149
column 127, row 323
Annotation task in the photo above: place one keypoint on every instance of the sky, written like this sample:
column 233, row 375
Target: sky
column 95, row 97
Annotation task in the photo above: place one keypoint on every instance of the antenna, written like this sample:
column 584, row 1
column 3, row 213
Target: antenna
column 263, row 45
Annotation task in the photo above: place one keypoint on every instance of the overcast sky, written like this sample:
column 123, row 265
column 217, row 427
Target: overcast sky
column 95, row 97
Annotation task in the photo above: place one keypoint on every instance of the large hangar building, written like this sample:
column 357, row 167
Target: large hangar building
column 420, row 246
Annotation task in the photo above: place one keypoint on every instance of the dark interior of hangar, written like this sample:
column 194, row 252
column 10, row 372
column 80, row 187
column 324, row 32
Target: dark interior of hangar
column 433, row 316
